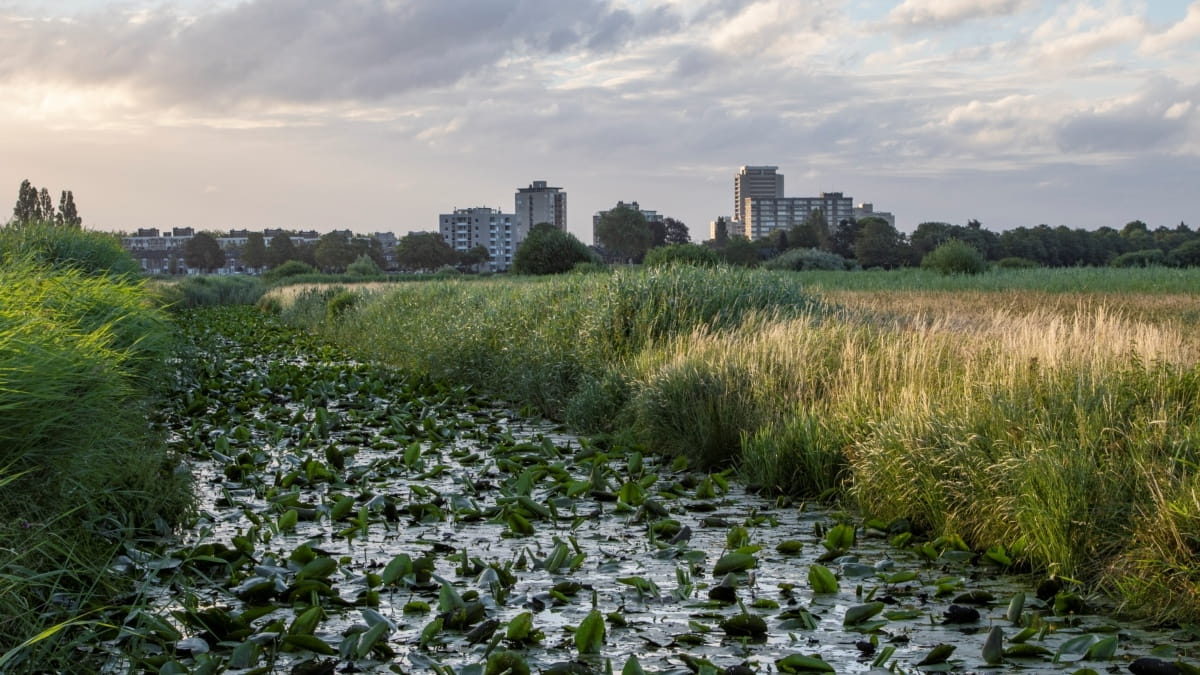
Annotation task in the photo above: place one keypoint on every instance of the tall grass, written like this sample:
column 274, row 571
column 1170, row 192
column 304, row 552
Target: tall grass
column 1064, row 432
column 81, row 354
column 67, row 247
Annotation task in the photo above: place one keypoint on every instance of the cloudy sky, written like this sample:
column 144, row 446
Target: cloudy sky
column 377, row 115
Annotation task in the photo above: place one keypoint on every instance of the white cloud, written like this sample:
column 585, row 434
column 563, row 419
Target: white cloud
column 932, row 13
column 1078, row 32
column 1186, row 30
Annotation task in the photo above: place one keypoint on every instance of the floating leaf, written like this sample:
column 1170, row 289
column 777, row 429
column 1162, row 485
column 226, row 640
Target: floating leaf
column 993, row 647
column 799, row 663
column 734, row 562
column 1015, row 607
column 506, row 663
column 745, row 625
column 937, row 655
column 821, row 579
column 310, row 643
column 589, row 636
column 320, row 568
column 789, row 546
column 860, row 613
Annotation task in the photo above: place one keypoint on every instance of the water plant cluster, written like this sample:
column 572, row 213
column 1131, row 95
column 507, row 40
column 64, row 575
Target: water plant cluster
column 83, row 349
column 357, row 520
column 1068, row 439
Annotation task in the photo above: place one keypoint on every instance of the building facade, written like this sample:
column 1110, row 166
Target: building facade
column 465, row 229
column 540, row 203
column 764, row 215
column 755, row 181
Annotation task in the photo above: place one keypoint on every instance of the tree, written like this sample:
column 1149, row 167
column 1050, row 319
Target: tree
column 424, row 251
column 721, row 232
column 658, row 233
column 549, row 250
column 842, row 238
column 364, row 266
column 68, row 215
column 254, row 253
column 27, row 209
column 280, row 250
column 955, row 257
column 879, row 244
column 203, row 252
column 740, row 251
column 45, row 206
column 816, row 230
column 476, row 256
column 334, row 252
column 677, row 232
column 623, row 232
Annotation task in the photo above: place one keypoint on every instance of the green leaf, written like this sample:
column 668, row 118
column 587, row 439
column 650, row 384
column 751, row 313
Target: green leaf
column 589, row 636
column 840, row 537
column 520, row 627
column 309, row 642
column 1103, row 650
column 319, row 568
column 993, row 647
column 799, row 663
column 790, row 546
column 397, row 569
column 305, row 622
column 860, row 613
column 821, row 579
column 734, row 562
column 369, row 639
column 937, row 655
column 632, row 667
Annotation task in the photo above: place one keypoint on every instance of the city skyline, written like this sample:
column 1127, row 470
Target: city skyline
column 378, row 116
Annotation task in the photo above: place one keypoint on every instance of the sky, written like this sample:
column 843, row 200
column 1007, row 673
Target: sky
column 377, row 115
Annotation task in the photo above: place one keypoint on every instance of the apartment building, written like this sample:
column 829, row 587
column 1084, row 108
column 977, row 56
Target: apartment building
column 540, row 203
column 764, row 215
column 464, row 229
column 755, row 181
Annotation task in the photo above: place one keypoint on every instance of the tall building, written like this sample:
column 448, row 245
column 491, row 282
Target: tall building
column 755, row 181
column 465, row 229
column 539, row 203
column 765, row 215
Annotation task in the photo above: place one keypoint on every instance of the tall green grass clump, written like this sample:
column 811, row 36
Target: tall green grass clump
column 67, row 247
column 203, row 291
column 81, row 355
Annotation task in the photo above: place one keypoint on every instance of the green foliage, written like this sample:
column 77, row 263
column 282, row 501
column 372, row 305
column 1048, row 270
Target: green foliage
column 203, row 252
column 364, row 266
column 80, row 357
column 548, row 250
column 199, row 291
column 1144, row 258
column 1014, row 263
column 740, row 251
column 64, row 247
column 808, row 259
column 334, row 251
column 624, row 233
column 291, row 268
column 955, row 257
column 1186, row 254
column 685, row 254
column 424, row 251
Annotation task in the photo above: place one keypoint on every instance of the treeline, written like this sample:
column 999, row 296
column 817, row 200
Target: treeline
column 873, row 242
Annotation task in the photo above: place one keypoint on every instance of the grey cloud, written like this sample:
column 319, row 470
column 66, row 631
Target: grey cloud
column 1139, row 125
column 314, row 50
column 920, row 14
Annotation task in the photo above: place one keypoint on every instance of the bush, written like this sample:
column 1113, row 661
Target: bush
column 290, row 268
column 1186, row 254
column 1146, row 258
column 1015, row 263
column 955, row 257
column 684, row 254
column 201, row 291
column 591, row 268
column 548, row 250
column 342, row 301
column 67, row 248
column 809, row 259
column 364, row 266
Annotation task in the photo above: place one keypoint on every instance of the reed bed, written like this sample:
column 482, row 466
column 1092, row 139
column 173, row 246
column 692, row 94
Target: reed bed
column 1064, row 433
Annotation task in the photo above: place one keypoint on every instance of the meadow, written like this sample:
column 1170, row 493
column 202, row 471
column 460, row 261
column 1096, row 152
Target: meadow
column 1048, row 417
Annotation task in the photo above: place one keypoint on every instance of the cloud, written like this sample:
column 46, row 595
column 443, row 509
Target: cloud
column 1159, row 118
column 1182, row 32
column 1077, row 33
column 312, row 50
column 942, row 13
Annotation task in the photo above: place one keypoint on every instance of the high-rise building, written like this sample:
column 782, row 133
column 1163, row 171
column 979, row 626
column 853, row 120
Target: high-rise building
column 540, row 203
column 465, row 229
column 755, row 181
column 765, row 215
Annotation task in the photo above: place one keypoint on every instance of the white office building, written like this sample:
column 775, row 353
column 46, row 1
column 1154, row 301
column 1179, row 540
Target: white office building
column 465, row 229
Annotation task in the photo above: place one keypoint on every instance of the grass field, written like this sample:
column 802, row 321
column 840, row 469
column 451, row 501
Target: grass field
column 1049, row 413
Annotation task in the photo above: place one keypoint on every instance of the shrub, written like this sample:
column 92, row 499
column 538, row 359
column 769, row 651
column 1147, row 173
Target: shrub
column 591, row 268
column 684, row 254
column 955, row 257
column 290, row 268
column 1146, row 258
column 447, row 271
column 1186, row 254
column 364, row 266
column 201, row 291
column 808, row 259
column 341, row 301
column 1015, row 263
column 548, row 250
